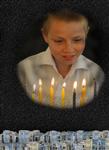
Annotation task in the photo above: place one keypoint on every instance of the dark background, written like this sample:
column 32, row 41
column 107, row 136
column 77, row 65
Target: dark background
column 21, row 37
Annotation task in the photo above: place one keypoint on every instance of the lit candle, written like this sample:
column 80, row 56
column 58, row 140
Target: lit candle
column 52, row 92
column 74, row 93
column 40, row 96
column 33, row 92
column 83, row 93
column 63, row 94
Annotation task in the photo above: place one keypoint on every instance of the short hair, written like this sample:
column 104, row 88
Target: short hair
column 67, row 15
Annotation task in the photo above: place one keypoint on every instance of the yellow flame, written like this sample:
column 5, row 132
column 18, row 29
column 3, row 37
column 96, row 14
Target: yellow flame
column 75, row 85
column 34, row 87
column 64, row 84
column 84, row 82
column 52, row 81
column 40, row 82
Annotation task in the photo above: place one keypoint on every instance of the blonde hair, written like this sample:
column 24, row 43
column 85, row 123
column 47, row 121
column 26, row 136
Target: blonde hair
column 65, row 15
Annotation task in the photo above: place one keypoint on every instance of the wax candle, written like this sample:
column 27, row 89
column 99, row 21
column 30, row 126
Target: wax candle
column 52, row 92
column 74, row 93
column 40, row 96
column 63, row 94
column 33, row 92
column 83, row 93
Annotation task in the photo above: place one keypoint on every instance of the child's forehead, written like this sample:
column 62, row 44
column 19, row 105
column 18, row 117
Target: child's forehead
column 71, row 26
column 60, row 24
column 63, row 26
column 61, row 20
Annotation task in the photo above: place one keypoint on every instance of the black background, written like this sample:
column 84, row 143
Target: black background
column 20, row 38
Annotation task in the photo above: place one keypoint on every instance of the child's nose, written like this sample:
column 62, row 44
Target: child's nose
column 69, row 47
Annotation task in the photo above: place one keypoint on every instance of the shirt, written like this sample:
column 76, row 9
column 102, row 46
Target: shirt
column 42, row 66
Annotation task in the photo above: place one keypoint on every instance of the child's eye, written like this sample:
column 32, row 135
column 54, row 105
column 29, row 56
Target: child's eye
column 58, row 41
column 78, row 40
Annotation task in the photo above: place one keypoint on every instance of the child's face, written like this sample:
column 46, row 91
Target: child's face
column 66, row 41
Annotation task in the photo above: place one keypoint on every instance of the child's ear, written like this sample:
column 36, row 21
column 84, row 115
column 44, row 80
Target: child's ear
column 45, row 36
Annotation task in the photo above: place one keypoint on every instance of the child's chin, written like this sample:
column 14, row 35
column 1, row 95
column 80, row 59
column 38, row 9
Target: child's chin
column 70, row 62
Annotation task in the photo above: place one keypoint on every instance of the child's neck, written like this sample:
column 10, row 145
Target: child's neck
column 63, row 70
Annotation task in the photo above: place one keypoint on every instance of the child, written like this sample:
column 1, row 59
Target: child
column 65, row 32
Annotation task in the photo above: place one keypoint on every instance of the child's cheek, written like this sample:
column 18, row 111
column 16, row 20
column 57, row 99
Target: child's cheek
column 80, row 48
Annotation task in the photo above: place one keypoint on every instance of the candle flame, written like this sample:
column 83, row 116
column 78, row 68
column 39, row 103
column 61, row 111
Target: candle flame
column 34, row 87
column 40, row 82
column 75, row 85
column 64, row 84
column 84, row 82
column 52, row 81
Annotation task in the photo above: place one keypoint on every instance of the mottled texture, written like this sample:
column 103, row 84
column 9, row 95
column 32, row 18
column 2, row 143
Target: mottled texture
column 21, row 37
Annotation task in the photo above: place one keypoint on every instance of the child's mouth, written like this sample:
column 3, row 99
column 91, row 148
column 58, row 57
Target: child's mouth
column 68, row 57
